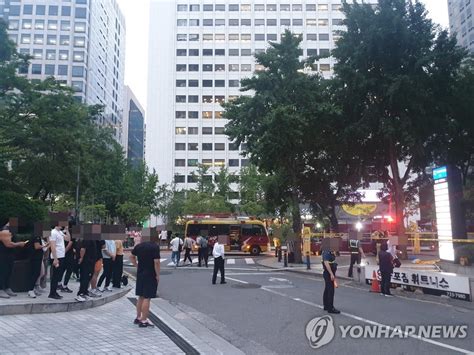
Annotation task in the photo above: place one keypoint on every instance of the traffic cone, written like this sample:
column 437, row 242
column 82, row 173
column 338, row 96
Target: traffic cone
column 375, row 287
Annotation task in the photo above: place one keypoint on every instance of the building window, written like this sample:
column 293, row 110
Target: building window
column 219, row 162
column 77, row 86
column 219, row 52
column 297, row 7
column 337, row 22
column 180, row 67
column 193, row 146
column 259, row 7
column 297, row 22
column 219, row 146
column 207, row 83
column 207, row 67
column 62, row 70
column 192, row 179
column 233, row 22
column 193, row 67
column 182, row 7
column 323, row 7
column 193, row 8
column 208, row 22
column 259, row 37
column 246, row 37
column 219, row 37
column 207, row 37
column 218, row 114
column 180, row 146
column 311, row 22
column 312, row 52
column 207, row 99
column 219, row 67
column 77, row 72
column 234, row 83
column 324, row 67
column 219, row 83
column 26, row 24
column 233, row 52
column 206, row 114
column 181, row 22
column 234, row 162
column 246, row 22
column 193, row 114
column 271, row 37
column 181, row 98
column 193, row 52
column 233, row 37
column 324, row 52
column 37, row 53
column 65, row 25
column 181, row 52
column 285, row 7
column 244, row 162
column 207, row 130
column 52, row 10
column 207, row 162
column 63, row 55
column 180, row 37
column 36, row 69
column 14, row 25
column 193, row 162
column 219, row 22
column 38, row 39
column 324, row 36
column 310, row 7
column 180, row 114
column 271, row 22
column 179, row 162
column 179, row 179
column 65, row 10
column 25, row 39
column 219, row 99
column 207, row 52
column 311, row 37
column 271, row 7
column 193, row 98
column 336, row 7
column 285, row 22
column 233, row 146
column 40, row 10
column 64, row 40
column 246, row 67
column 180, row 83
column 219, row 7
column 219, row 130
column 243, row 147
column 233, row 67
column 207, row 8
column 81, row 12
column 245, row 52
column 52, row 40
column 193, row 83
column 323, row 22
column 180, row 130
column 259, row 22
column 207, row 146
column 233, row 7
column 79, row 27
column 50, row 54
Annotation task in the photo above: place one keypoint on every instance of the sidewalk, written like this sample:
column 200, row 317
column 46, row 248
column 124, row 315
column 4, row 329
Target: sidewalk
column 22, row 304
column 108, row 329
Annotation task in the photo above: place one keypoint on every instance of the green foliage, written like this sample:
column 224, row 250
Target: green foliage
column 252, row 192
column 131, row 213
column 16, row 205
column 95, row 213
column 202, row 202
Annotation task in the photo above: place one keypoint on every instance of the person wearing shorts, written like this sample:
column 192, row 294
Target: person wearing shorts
column 146, row 257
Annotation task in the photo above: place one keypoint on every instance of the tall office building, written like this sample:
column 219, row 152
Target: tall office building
column 199, row 51
column 79, row 42
column 133, row 128
column 461, row 22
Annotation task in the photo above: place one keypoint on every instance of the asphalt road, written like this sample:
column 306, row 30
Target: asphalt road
column 266, row 311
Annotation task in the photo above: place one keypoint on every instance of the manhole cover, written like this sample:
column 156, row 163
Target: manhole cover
column 239, row 285
column 165, row 272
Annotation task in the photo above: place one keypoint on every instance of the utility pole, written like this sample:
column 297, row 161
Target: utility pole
column 78, row 180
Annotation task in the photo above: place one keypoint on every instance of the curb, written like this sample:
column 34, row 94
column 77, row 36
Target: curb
column 68, row 306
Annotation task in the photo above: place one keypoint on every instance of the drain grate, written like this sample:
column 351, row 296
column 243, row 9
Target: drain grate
column 244, row 286
column 170, row 333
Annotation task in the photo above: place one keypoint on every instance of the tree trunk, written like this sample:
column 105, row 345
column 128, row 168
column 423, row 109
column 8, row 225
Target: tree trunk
column 333, row 220
column 295, row 242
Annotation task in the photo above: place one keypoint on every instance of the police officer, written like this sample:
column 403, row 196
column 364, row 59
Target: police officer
column 356, row 252
column 329, row 274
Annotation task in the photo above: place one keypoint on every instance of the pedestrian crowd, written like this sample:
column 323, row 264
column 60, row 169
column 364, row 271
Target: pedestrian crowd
column 96, row 264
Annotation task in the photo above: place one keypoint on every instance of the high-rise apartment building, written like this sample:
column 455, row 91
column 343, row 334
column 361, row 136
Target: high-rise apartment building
column 461, row 22
column 199, row 51
column 79, row 42
column 133, row 128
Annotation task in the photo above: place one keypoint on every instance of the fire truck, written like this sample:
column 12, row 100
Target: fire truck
column 239, row 234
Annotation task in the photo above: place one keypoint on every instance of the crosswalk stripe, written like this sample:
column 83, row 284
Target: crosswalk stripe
column 163, row 260
column 171, row 264
column 230, row 261
column 249, row 261
column 195, row 260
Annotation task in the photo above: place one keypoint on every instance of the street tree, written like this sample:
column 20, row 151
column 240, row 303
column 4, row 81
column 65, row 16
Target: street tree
column 395, row 71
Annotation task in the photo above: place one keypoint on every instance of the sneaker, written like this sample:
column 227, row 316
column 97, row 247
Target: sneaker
column 145, row 325
column 38, row 290
column 388, row 295
column 98, row 290
column 109, row 289
column 60, row 287
column 79, row 298
column 66, row 289
column 3, row 294
column 334, row 311
column 37, row 293
column 10, row 292
column 94, row 294
column 31, row 294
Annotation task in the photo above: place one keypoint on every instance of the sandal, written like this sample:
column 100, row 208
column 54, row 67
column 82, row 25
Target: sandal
column 145, row 325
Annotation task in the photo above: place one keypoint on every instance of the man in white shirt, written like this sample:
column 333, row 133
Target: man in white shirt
column 175, row 243
column 163, row 237
column 58, row 252
column 218, row 254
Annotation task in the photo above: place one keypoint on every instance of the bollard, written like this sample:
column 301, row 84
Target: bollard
column 308, row 261
column 279, row 254
column 285, row 259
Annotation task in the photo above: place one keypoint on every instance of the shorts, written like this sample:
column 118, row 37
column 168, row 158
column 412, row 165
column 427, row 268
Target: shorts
column 98, row 266
column 146, row 286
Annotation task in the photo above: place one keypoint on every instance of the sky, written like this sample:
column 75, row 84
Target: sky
column 136, row 52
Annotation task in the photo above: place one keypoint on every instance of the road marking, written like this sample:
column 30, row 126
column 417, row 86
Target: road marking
column 249, row 261
column 171, row 264
column 242, row 282
column 230, row 261
column 163, row 260
column 361, row 319
column 252, row 273
column 211, row 262
column 195, row 260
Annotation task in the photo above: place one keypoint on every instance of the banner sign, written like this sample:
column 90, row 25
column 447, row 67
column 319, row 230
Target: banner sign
column 444, row 283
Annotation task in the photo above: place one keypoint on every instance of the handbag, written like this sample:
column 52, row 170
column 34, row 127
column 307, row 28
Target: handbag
column 124, row 280
column 396, row 262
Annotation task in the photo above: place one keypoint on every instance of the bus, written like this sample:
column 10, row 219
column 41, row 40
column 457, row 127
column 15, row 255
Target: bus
column 236, row 234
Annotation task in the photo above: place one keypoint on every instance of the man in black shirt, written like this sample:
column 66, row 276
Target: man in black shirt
column 386, row 269
column 87, row 259
column 146, row 256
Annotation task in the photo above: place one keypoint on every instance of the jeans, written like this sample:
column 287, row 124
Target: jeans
column 175, row 257
column 203, row 255
column 56, row 276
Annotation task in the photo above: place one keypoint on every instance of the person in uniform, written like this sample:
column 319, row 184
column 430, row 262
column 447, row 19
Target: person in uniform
column 356, row 253
column 329, row 274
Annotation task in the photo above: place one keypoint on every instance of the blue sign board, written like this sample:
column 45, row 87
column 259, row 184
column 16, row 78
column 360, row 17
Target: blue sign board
column 440, row 173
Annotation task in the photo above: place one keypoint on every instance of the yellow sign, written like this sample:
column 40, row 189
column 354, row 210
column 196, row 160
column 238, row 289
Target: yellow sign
column 361, row 209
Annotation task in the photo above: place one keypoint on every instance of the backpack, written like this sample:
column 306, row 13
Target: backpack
column 180, row 246
column 203, row 242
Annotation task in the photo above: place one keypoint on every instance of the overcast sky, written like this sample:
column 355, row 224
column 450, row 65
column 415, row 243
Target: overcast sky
column 136, row 15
